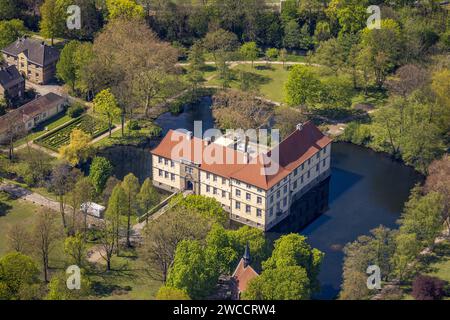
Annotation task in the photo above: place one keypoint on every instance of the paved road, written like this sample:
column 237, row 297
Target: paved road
column 17, row 192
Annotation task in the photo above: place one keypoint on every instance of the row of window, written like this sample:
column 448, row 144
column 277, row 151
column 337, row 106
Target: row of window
column 248, row 209
column 278, row 206
column 302, row 167
column 166, row 174
column 215, row 177
column 248, row 196
column 215, row 191
column 248, row 186
column 166, row 161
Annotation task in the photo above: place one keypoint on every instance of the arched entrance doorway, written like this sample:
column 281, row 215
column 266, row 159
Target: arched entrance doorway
column 189, row 185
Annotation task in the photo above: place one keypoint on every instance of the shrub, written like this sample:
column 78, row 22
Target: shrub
column 428, row 288
column 155, row 131
column 133, row 125
column 176, row 107
column 75, row 110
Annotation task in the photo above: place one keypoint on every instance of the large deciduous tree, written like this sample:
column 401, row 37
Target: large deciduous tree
column 53, row 19
column 45, row 234
column 131, row 188
column 105, row 105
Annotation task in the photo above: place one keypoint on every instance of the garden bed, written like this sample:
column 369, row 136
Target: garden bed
column 61, row 137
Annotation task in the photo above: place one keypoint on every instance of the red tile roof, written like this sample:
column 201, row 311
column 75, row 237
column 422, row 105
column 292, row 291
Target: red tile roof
column 297, row 148
column 243, row 274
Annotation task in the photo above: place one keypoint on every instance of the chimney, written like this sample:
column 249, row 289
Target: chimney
column 299, row 126
column 189, row 135
column 246, row 143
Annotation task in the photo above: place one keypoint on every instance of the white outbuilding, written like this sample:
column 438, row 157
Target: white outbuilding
column 93, row 209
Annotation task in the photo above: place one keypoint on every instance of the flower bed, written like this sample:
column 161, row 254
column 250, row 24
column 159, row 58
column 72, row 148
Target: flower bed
column 61, row 137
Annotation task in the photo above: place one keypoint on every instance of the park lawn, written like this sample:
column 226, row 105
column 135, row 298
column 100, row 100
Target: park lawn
column 49, row 124
column 269, row 81
column 14, row 212
column 23, row 212
column 126, row 281
column 441, row 268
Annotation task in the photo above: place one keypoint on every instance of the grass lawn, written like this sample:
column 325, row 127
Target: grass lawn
column 441, row 267
column 127, row 281
column 269, row 81
column 14, row 212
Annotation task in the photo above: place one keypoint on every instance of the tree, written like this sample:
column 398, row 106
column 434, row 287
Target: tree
column 75, row 247
column 196, row 65
column 45, row 234
column 19, row 238
column 107, row 240
column 437, row 181
column 99, row 172
column 428, row 288
column 249, row 51
column 403, row 260
column 408, row 78
column 53, row 19
column 106, row 105
column 322, row 31
column 350, row 14
column 18, row 275
column 292, row 250
column 9, row 9
column 62, row 180
column 383, row 47
column 131, row 187
column 286, row 120
column 205, row 206
column 376, row 249
column 117, row 207
column 283, row 283
column 422, row 216
column 148, row 196
column 82, row 193
column 162, row 236
column 169, row 293
column 66, row 68
column 78, row 150
column 124, row 9
column 139, row 73
column 283, row 56
column 272, row 54
column 237, row 109
column 10, row 31
column 331, row 53
column 193, row 270
column 13, row 131
column 291, row 35
column 302, row 87
column 219, row 42
column 57, row 288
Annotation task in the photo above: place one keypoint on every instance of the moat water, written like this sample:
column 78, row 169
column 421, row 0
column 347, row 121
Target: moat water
column 366, row 189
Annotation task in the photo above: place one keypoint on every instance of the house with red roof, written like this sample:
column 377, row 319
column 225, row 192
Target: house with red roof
column 256, row 187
